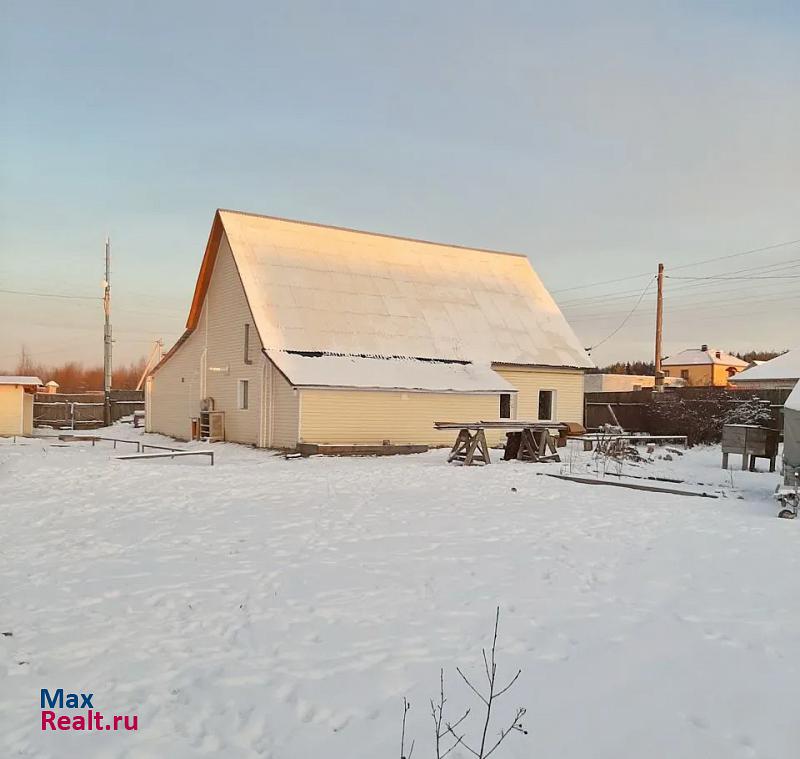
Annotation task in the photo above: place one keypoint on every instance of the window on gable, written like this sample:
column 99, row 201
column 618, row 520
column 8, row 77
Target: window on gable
column 244, row 393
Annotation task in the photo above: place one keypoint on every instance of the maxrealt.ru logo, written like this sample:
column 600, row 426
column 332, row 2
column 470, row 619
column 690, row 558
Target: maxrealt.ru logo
column 88, row 719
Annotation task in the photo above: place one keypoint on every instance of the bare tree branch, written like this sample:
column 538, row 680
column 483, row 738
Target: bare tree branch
column 460, row 719
column 514, row 726
column 460, row 740
column 472, row 687
column 513, row 680
column 403, row 755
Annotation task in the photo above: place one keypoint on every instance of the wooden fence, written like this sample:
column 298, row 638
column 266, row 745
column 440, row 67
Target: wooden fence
column 632, row 409
column 83, row 411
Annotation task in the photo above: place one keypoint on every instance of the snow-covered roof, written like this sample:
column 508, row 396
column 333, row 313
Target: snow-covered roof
column 692, row 356
column 786, row 366
column 391, row 373
column 324, row 289
column 19, row 380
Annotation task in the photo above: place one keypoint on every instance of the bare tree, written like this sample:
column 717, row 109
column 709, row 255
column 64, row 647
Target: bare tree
column 403, row 755
column 441, row 726
column 444, row 728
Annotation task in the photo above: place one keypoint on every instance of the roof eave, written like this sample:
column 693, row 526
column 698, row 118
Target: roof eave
column 206, row 268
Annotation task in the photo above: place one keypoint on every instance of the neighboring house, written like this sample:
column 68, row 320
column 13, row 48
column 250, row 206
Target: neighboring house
column 701, row 367
column 621, row 383
column 16, row 404
column 304, row 333
column 780, row 372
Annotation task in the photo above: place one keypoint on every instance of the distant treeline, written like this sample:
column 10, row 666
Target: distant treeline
column 648, row 368
column 74, row 377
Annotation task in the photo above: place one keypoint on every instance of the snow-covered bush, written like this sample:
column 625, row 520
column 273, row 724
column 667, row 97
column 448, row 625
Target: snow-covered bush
column 751, row 411
column 701, row 418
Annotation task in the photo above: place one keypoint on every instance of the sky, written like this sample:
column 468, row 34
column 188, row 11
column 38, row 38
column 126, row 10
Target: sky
column 597, row 138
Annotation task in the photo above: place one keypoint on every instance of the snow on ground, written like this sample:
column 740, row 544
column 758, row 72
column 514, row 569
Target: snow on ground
column 266, row 607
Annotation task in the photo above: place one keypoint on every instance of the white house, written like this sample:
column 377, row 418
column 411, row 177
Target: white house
column 302, row 333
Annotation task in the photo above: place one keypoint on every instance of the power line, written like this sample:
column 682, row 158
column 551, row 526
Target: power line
column 791, row 263
column 625, row 320
column 749, row 279
column 683, row 266
column 698, row 309
column 604, row 282
column 50, row 295
column 730, row 291
column 691, row 289
column 736, row 255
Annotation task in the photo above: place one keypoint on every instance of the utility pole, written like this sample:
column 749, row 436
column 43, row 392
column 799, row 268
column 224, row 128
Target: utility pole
column 659, row 382
column 107, row 338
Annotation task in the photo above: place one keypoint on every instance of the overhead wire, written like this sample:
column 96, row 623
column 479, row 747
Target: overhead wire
column 625, row 320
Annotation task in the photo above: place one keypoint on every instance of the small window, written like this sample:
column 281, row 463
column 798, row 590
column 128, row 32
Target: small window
column 247, row 344
column 685, row 374
column 244, row 392
column 666, row 372
column 546, row 404
column 505, row 405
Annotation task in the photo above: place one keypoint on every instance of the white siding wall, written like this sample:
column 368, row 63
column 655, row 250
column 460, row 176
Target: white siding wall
column 225, row 314
column 175, row 391
column 188, row 376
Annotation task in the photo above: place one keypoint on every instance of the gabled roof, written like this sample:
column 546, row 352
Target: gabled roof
column 700, row 356
column 26, row 380
column 328, row 290
column 783, row 367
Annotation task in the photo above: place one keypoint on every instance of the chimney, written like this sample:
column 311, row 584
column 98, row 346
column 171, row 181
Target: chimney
column 704, row 347
column 719, row 354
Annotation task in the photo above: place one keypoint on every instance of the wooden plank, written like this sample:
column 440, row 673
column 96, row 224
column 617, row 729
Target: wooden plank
column 502, row 424
column 630, row 485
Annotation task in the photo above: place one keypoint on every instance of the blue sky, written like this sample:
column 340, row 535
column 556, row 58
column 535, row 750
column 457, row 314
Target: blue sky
column 598, row 138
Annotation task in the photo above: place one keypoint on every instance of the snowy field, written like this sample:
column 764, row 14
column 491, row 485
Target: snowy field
column 266, row 607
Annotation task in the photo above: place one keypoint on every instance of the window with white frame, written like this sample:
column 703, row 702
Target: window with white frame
column 244, row 393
